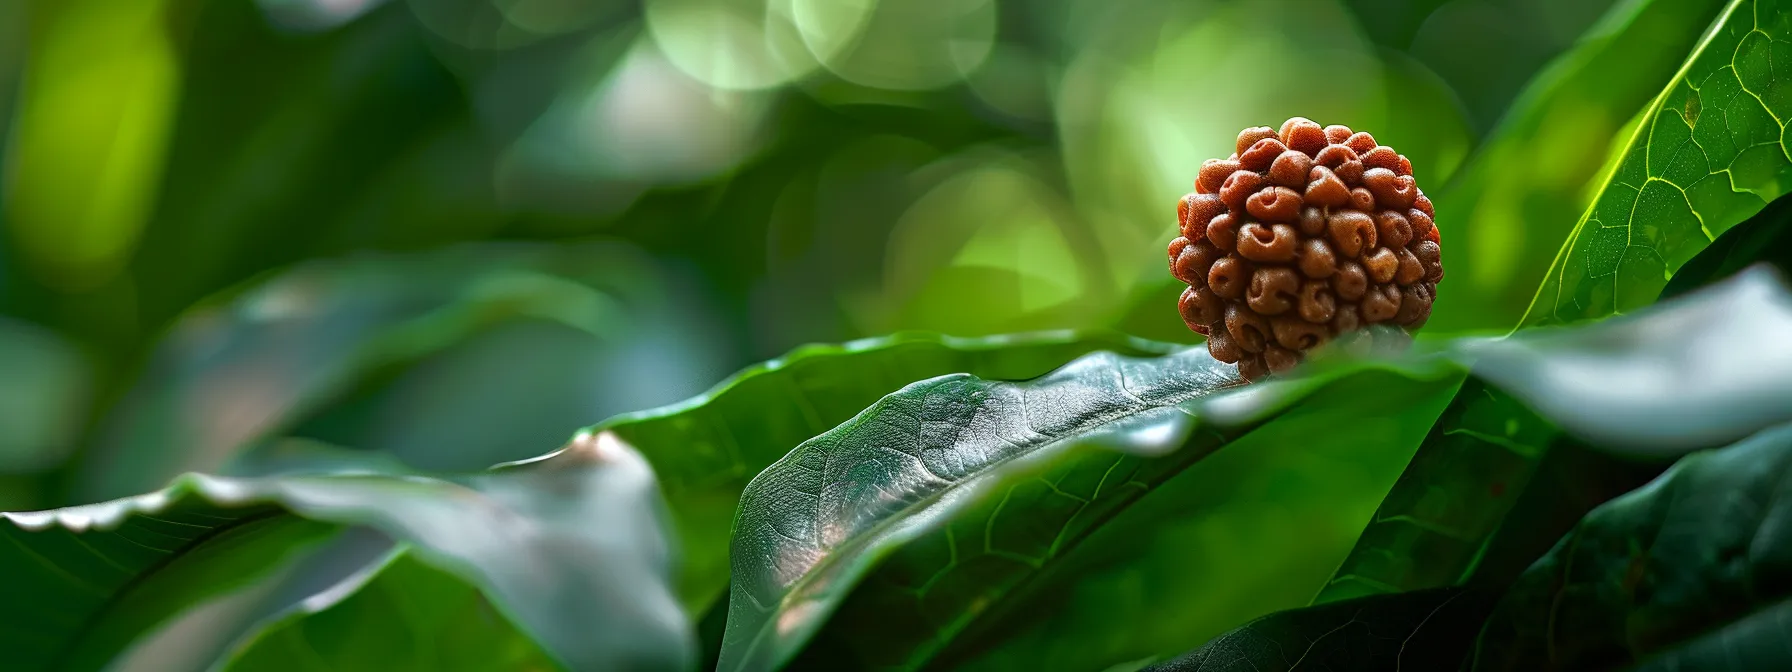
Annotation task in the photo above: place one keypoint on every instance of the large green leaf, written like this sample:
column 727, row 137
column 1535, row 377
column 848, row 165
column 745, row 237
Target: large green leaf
column 527, row 535
column 706, row 449
column 1508, row 211
column 1710, row 151
column 1697, row 372
column 1689, row 572
column 985, row 483
column 410, row 616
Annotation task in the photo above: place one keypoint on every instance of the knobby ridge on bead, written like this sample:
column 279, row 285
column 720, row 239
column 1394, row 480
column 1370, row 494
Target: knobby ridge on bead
column 1302, row 235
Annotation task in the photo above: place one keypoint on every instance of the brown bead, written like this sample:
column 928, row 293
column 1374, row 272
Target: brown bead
column 1229, row 277
column 1267, row 242
column 1238, row 187
column 1251, row 136
column 1336, row 134
column 1325, row 189
column 1392, row 229
column 1390, row 190
column 1431, row 258
column 1334, row 155
column 1275, row 204
column 1351, row 172
column 1278, row 359
column 1176, row 246
column 1213, row 174
column 1219, row 344
column 1405, row 167
column 1223, row 232
column 1350, row 283
column 1316, row 303
column 1272, row 290
column 1347, row 320
column 1296, row 333
column 1424, row 205
column 1382, row 157
column 1260, row 155
column 1316, row 259
column 1411, row 270
column 1194, row 261
column 1380, row 304
column 1196, row 211
column 1361, row 199
column 1185, row 305
column 1312, row 222
column 1201, row 307
column 1351, row 232
column 1249, row 331
column 1361, row 142
column 1252, row 368
column 1381, row 265
column 1422, row 223
column 1303, row 135
column 1415, row 304
column 1290, row 169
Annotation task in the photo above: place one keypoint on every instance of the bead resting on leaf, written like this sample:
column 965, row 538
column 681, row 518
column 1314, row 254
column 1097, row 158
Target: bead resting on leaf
column 1303, row 235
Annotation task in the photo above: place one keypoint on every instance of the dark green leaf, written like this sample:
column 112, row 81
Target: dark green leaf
column 1689, row 572
column 410, row 616
column 1422, row 630
column 1571, row 480
column 1709, row 153
column 527, row 535
column 706, row 449
column 985, row 483
column 1508, row 211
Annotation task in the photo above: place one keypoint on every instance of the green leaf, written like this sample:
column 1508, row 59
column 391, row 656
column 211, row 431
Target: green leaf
column 1763, row 238
column 1422, row 630
column 1696, row 372
column 985, row 483
column 1710, row 151
column 1688, row 572
column 1508, row 211
column 409, row 616
column 706, row 449
column 527, row 535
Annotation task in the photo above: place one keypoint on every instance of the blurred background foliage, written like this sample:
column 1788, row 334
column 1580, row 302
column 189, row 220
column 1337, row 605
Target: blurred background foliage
column 456, row 230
